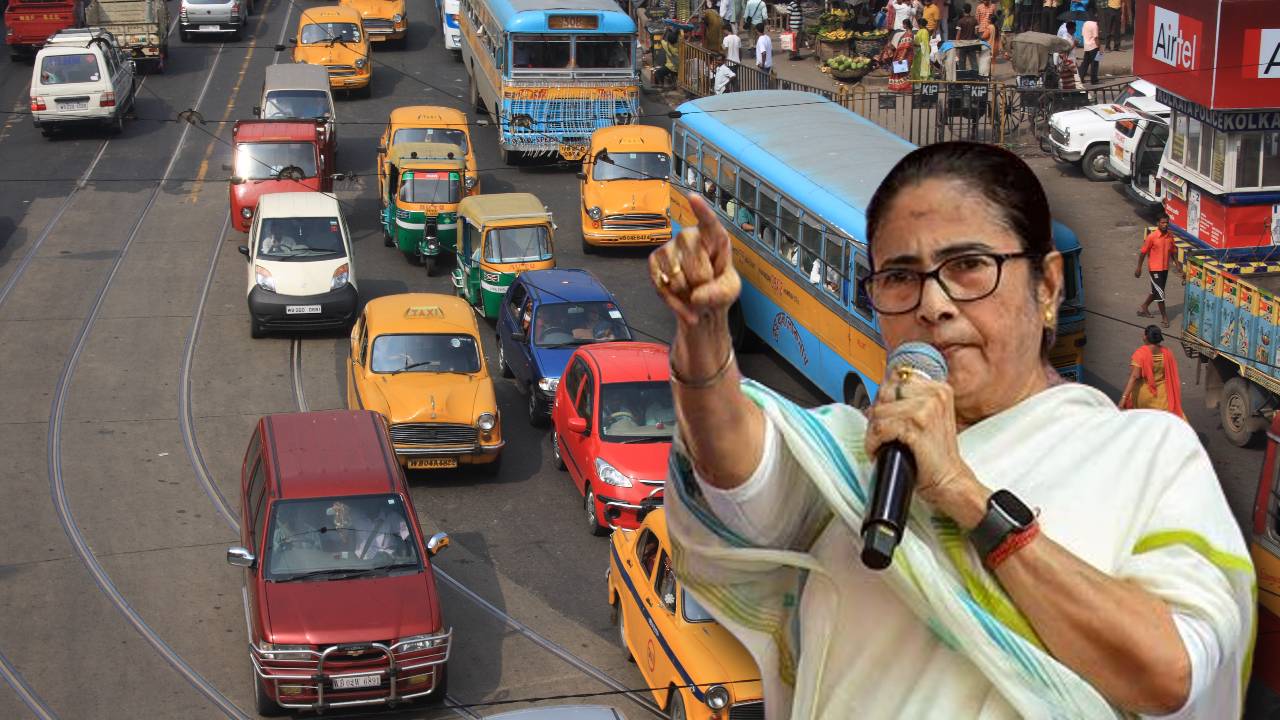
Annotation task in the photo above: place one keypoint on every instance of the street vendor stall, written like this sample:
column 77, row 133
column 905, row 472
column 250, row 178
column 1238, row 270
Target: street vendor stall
column 1217, row 65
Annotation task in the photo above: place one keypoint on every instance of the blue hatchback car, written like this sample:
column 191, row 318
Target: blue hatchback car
column 545, row 315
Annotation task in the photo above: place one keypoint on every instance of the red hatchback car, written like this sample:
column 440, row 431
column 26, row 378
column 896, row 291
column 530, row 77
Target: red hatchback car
column 341, row 601
column 613, row 421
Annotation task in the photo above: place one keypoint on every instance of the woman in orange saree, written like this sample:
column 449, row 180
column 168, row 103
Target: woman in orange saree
column 1153, row 377
column 900, row 60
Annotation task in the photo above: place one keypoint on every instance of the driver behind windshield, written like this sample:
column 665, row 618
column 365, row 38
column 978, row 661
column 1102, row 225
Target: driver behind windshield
column 300, row 238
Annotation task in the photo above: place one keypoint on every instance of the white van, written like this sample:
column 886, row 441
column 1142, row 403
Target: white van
column 300, row 266
column 81, row 76
column 299, row 91
column 452, row 33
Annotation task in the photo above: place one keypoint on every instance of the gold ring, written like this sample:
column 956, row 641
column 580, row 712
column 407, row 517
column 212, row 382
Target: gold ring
column 663, row 280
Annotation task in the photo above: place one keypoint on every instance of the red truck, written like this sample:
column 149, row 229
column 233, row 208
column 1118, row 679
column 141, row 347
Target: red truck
column 28, row 23
column 277, row 156
column 340, row 599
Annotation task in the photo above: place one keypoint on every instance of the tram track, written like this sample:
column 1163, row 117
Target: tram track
column 28, row 696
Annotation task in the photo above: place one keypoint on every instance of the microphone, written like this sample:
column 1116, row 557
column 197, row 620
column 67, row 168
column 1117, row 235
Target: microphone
column 895, row 470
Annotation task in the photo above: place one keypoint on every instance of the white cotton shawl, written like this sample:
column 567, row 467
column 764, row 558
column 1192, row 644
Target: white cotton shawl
column 1131, row 493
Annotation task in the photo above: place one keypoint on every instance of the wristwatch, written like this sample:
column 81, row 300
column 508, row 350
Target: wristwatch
column 1006, row 516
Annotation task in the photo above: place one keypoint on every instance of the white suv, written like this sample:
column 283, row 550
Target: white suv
column 1083, row 136
column 300, row 266
column 81, row 76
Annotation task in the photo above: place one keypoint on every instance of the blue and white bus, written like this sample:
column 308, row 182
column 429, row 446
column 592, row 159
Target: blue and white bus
column 448, row 11
column 550, row 72
column 791, row 175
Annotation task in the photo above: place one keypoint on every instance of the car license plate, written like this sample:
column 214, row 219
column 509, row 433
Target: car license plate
column 210, row 28
column 301, row 309
column 432, row 463
column 73, row 106
column 356, row 681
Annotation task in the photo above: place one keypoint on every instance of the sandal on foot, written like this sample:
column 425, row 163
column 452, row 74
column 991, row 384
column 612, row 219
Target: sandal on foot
column 1142, row 313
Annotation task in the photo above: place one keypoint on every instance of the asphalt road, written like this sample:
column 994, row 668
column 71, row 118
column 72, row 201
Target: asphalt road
column 122, row 314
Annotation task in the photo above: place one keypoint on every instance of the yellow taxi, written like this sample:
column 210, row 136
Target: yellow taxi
column 429, row 123
column 695, row 667
column 333, row 36
column 417, row 359
column 624, row 188
column 384, row 20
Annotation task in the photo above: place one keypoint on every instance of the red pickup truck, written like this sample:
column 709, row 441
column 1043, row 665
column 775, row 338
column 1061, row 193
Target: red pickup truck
column 28, row 23
column 340, row 598
column 273, row 156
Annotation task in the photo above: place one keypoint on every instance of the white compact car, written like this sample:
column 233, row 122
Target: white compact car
column 1083, row 136
column 452, row 33
column 300, row 265
column 81, row 77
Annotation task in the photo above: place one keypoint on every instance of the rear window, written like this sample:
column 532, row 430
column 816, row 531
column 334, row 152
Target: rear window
column 306, row 104
column 69, row 69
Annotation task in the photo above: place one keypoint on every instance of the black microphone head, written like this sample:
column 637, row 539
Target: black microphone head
column 918, row 356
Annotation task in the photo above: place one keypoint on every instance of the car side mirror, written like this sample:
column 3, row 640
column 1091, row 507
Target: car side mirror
column 293, row 41
column 244, row 250
column 582, row 174
column 518, row 336
column 257, row 111
column 438, row 542
column 240, row 557
column 578, row 425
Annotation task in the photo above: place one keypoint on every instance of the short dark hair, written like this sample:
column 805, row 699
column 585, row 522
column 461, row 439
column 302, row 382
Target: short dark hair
column 990, row 172
column 1071, row 26
column 968, row 8
column 1153, row 335
column 759, row 27
column 906, row 24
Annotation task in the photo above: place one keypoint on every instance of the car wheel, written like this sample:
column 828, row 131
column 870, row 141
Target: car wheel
column 502, row 360
column 675, row 706
column 262, row 700
column 256, row 330
column 1094, row 163
column 1236, row 412
column 117, row 123
column 537, row 412
column 622, row 630
column 555, row 451
column 593, row 520
column 430, row 264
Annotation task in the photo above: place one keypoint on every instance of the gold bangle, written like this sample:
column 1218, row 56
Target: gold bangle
column 708, row 382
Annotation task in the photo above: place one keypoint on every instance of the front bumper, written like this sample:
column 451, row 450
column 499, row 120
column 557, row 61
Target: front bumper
column 476, row 454
column 1063, row 152
column 310, row 684
column 337, row 309
column 628, row 513
column 452, row 39
column 656, row 236
column 350, row 82
column 382, row 30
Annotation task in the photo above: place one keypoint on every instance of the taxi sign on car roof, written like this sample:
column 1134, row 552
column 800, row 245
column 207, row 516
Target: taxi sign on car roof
column 424, row 311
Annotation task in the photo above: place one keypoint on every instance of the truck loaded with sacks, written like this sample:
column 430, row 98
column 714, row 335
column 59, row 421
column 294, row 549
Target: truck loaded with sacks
column 141, row 27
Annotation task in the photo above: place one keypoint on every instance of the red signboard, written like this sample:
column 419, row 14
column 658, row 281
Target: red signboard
column 1220, row 54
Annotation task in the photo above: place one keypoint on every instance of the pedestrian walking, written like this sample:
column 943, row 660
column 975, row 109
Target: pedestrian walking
column 1089, row 33
column 764, row 50
column 732, row 45
column 755, row 14
column 1048, row 15
column 1067, row 31
column 729, row 13
column 903, row 53
column 666, row 58
column 920, row 69
column 712, row 30
column 795, row 21
column 967, row 25
column 1153, row 377
column 1068, row 75
column 931, row 16
column 1111, row 24
column 1156, row 248
column 985, row 13
column 902, row 11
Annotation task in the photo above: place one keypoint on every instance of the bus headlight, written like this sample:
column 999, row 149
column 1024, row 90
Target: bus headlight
column 717, row 697
column 486, row 422
column 594, row 213
column 360, row 63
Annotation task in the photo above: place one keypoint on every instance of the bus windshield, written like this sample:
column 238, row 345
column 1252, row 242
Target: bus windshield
column 440, row 135
column 631, row 166
column 547, row 52
column 518, row 244
column 602, row 51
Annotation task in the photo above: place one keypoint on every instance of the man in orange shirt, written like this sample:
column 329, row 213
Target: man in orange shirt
column 1157, row 248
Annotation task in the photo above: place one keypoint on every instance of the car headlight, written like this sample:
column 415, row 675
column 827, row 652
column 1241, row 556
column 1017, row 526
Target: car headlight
column 246, row 212
column 486, row 421
column 265, row 281
column 548, row 384
column 594, row 213
column 397, row 18
column 341, row 277
column 285, row 652
column 360, row 63
column 420, row 642
column 471, row 181
column 717, row 697
column 610, row 475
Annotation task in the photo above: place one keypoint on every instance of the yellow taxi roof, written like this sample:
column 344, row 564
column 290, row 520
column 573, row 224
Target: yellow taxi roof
column 434, row 153
column 330, row 13
column 631, row 138
column 428, row 116
column 502, row 207
column 410, row 313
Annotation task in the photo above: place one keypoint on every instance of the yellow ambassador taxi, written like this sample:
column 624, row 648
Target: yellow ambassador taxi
column 623, row 184
column 384, row 20
column 696, row 668
column 417, row 359
column 429, row 123
column 333, row 37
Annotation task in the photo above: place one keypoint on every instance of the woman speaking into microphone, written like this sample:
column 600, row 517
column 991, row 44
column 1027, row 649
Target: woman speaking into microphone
column 1062, row 558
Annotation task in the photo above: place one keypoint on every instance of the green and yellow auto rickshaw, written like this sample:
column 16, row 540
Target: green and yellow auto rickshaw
column 420, row 191
column 501, row 236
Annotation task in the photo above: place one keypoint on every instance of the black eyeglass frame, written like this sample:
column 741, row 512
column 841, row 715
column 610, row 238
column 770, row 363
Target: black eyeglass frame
column 936, row 275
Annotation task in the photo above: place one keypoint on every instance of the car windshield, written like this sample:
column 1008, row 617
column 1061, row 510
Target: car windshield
column 693, row 610
column 417, row 186
column 631, row 166
column 425, row 353
column 328, row 538
column 68, row 69
column 518, row 244
column 306, row 238
column 562, row 324
column 304, row 104
column 264, row 161
column 324, row 32
column 440, row 135
column 635, row 411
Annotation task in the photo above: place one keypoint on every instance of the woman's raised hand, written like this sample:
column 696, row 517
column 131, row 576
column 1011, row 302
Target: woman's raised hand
column 693, row 272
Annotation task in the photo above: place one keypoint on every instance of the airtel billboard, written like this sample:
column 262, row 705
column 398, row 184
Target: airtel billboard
column 1222, row 54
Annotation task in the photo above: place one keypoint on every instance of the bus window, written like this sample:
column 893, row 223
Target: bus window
column 789, row 224
column 860, row 272
column 742, row 208
column 834, row 251
column 677, row 152
column 728, row 183
column 708, row 188
column 747, row 184
column 767, row 215
column 545, row 52
column 602, row 52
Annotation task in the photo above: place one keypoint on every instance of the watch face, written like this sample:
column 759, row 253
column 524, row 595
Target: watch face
column 1013, row 508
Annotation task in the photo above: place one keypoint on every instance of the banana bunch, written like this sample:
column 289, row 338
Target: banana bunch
column 870, row 34
column 835, row 35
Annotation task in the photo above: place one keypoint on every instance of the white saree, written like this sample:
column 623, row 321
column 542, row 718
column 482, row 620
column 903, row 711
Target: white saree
column 1131, row 493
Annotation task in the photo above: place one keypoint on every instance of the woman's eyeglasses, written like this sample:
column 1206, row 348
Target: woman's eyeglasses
column 964, row 278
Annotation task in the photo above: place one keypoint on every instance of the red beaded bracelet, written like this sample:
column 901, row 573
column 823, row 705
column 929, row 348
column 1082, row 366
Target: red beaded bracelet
column 1011, row 545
